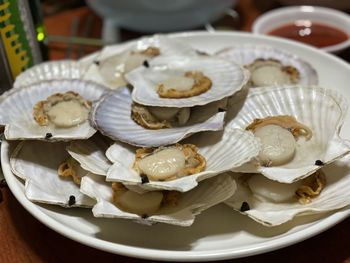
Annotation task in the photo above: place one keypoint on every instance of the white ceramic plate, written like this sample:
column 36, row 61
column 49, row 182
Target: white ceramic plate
column 218, row 233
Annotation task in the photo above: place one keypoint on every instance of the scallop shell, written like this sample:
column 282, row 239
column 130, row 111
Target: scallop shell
column 320, row 109
column 206, row 195
column 111, row 59
column 227, row 78
column 51, row 70
column 39, row 170
column 247, row 54
column 17, row 110
column 91, row 154
column 335, row 195
column 112, row 116
column 222, row 150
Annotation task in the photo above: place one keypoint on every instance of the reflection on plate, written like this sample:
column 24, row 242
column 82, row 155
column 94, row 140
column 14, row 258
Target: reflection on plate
column 217, row 233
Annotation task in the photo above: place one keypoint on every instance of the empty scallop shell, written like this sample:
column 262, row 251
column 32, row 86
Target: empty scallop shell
column 90, row 154
column 335, row 195
column 51, row 70
column 226, row 77
column 208, row 193
column 17, row 110
column 109, row 66
column 39, row 170
column 112, row 116
column 320, row 109
column 247, row 54
column 222, row 150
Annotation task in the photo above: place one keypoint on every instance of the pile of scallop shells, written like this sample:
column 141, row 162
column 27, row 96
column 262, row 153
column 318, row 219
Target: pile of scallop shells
column 155, row 131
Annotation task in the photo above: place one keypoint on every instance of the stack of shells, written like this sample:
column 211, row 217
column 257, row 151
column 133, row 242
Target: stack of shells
column 120, row 77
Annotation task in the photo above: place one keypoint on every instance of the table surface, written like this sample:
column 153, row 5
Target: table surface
column 25, row 239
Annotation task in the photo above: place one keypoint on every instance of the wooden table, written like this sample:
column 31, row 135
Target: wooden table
column 25, row 239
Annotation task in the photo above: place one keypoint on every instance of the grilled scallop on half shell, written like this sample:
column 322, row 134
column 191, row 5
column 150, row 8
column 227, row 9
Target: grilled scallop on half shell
column 180, row 82
column 114, row 61
column 181, row 211
column 299, row 149
column 40, row 172
column 209, row 154
column 112, row 117
column 271, row 66
column 272, row 203
column 49, row 110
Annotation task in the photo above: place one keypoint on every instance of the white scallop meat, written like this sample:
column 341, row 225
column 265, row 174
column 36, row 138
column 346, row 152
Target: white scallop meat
column 320, row 109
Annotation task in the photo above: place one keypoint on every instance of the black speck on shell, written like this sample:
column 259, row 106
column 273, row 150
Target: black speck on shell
column 144, row 216
column 244, row 207
column 144, row 179
column 48, row 135
column 319, row 163
column 97, row 63
column 146, row 64
column 71, row 200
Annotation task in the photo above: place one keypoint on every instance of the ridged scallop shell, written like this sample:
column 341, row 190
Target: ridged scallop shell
column 222, row 150
column 208, row 193
column 320, row 109
column 335, row 195
column 112, row 116
column 90, row 154
column 226, row 77
column 36, row 162
column 51, row 70
column 112, row 59
column 17, row 110
column 247, row 54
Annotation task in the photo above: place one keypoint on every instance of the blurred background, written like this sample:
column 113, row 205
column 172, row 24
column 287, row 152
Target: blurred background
column 75, row 28
column 38, row 30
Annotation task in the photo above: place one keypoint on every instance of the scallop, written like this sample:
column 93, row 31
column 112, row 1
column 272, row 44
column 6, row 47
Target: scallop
column 272, row 203
column 214, row 153
column 182, row 213
column 169, row 163
column 18, row 106
column 269, row 65
column 112, row 117
column 40, row 172
column 316, row 109
column 51, row 70
column 114, row 61
column 278, row 145
column 185, row 81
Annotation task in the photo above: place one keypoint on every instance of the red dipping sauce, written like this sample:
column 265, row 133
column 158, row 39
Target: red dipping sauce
column 315, row 34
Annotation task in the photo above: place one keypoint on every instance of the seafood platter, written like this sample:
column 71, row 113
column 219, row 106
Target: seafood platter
column 155, row 132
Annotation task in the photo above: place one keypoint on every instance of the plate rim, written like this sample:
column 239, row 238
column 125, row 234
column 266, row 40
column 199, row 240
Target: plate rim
column 180, row 255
